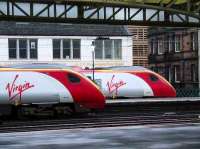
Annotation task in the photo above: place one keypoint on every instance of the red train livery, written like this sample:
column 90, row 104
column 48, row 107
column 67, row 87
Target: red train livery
column 128, row 82
column 48, row 86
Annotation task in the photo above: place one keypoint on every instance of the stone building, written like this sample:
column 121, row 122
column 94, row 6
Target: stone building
column 174, row 54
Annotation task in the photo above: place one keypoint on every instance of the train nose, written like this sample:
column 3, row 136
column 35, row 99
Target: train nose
column 85, row 92
column 172, row 91
column 165, row 89
column 93, row 98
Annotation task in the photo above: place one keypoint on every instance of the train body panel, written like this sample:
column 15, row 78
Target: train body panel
column 160, row 86
column 116, row 84
column 48, row 86
column 120, row 81
column 31, row 87
column 81, row 88
column 140, row 83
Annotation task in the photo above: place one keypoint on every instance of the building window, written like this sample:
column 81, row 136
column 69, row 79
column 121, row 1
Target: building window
column 33, row 48
column 177, row 74
column 171, row 43
column 117, row 49
column 99, row 49
column 108, row 49
column 194, row 41
column 22, row 48
column 161, row 71
column 177, row 43
column 193, row 73
column 56, row 48
column 12, row 44
column 166, row 44
column 160, row 47
column 76, row 49
column 169, row 77
column 66, row 49
column 151, row 46
column 155, row 47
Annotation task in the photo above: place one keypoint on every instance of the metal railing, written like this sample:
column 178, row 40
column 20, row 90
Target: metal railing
column 188, row 92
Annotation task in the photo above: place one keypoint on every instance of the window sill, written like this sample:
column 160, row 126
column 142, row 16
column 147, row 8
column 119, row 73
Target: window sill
column 22, row 59
column 57, row 59
column 108, row 59
column 177, row 51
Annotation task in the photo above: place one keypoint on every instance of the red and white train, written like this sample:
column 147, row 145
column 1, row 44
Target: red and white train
column 130, row 81
column 121, row 81
column 48, row 87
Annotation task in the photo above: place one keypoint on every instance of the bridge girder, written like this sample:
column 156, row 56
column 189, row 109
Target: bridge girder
column 126, row 12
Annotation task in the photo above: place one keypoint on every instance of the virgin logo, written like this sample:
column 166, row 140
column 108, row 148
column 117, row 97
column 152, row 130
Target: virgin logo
column 113, row 87
column 15, row 90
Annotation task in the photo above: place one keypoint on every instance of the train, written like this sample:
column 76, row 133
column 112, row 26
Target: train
column 120, row 81
column 33, row 87
column 130, row 82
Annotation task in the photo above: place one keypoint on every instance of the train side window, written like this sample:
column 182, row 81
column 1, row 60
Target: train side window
column 153, row 78
column 73, row 78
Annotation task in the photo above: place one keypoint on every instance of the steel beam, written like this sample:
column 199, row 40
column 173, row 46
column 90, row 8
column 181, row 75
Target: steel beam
column 126, row 12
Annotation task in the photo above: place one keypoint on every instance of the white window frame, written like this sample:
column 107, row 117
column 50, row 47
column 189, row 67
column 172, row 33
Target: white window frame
column 178, row 42
column 193, row 73
column 169, row 74
column 170, row 44
column 160, row 47
column 193, row 42
column 27, row 48
column 176, row 75
column 71, row 49
column 112, row 51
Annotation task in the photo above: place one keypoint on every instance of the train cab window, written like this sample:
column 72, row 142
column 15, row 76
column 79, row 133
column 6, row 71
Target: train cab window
column 153, row 78
column 73, row 78
column 89, row 77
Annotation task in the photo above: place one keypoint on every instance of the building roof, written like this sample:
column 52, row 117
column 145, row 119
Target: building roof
column 61, row 29
column 156, row 31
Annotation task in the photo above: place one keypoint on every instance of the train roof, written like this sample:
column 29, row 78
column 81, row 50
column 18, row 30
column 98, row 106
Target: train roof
column 124, row 68
column 65, row 66
column 39, row 66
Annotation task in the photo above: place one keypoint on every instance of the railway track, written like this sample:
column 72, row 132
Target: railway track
column 100, row 121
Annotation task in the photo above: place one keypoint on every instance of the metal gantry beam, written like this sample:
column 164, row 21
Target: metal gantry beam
column 129, row 12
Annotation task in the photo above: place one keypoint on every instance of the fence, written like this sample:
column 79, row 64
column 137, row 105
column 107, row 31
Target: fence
column 188, row 92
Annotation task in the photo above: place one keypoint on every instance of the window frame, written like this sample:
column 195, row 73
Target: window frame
column 71, row 56
column 176, row 80
column 177, row 42
column 28, row 48
column 193, row 73
column 155, row 47
column 160, row 47
column 169, row 74
column 194, row 41
column 113, row 50
column 171, row 43
column 71, row 77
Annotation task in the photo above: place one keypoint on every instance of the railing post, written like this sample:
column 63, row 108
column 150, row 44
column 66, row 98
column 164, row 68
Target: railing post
column 199, row 56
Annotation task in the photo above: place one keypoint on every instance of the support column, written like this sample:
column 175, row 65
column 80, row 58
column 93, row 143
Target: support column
column 199, row 56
